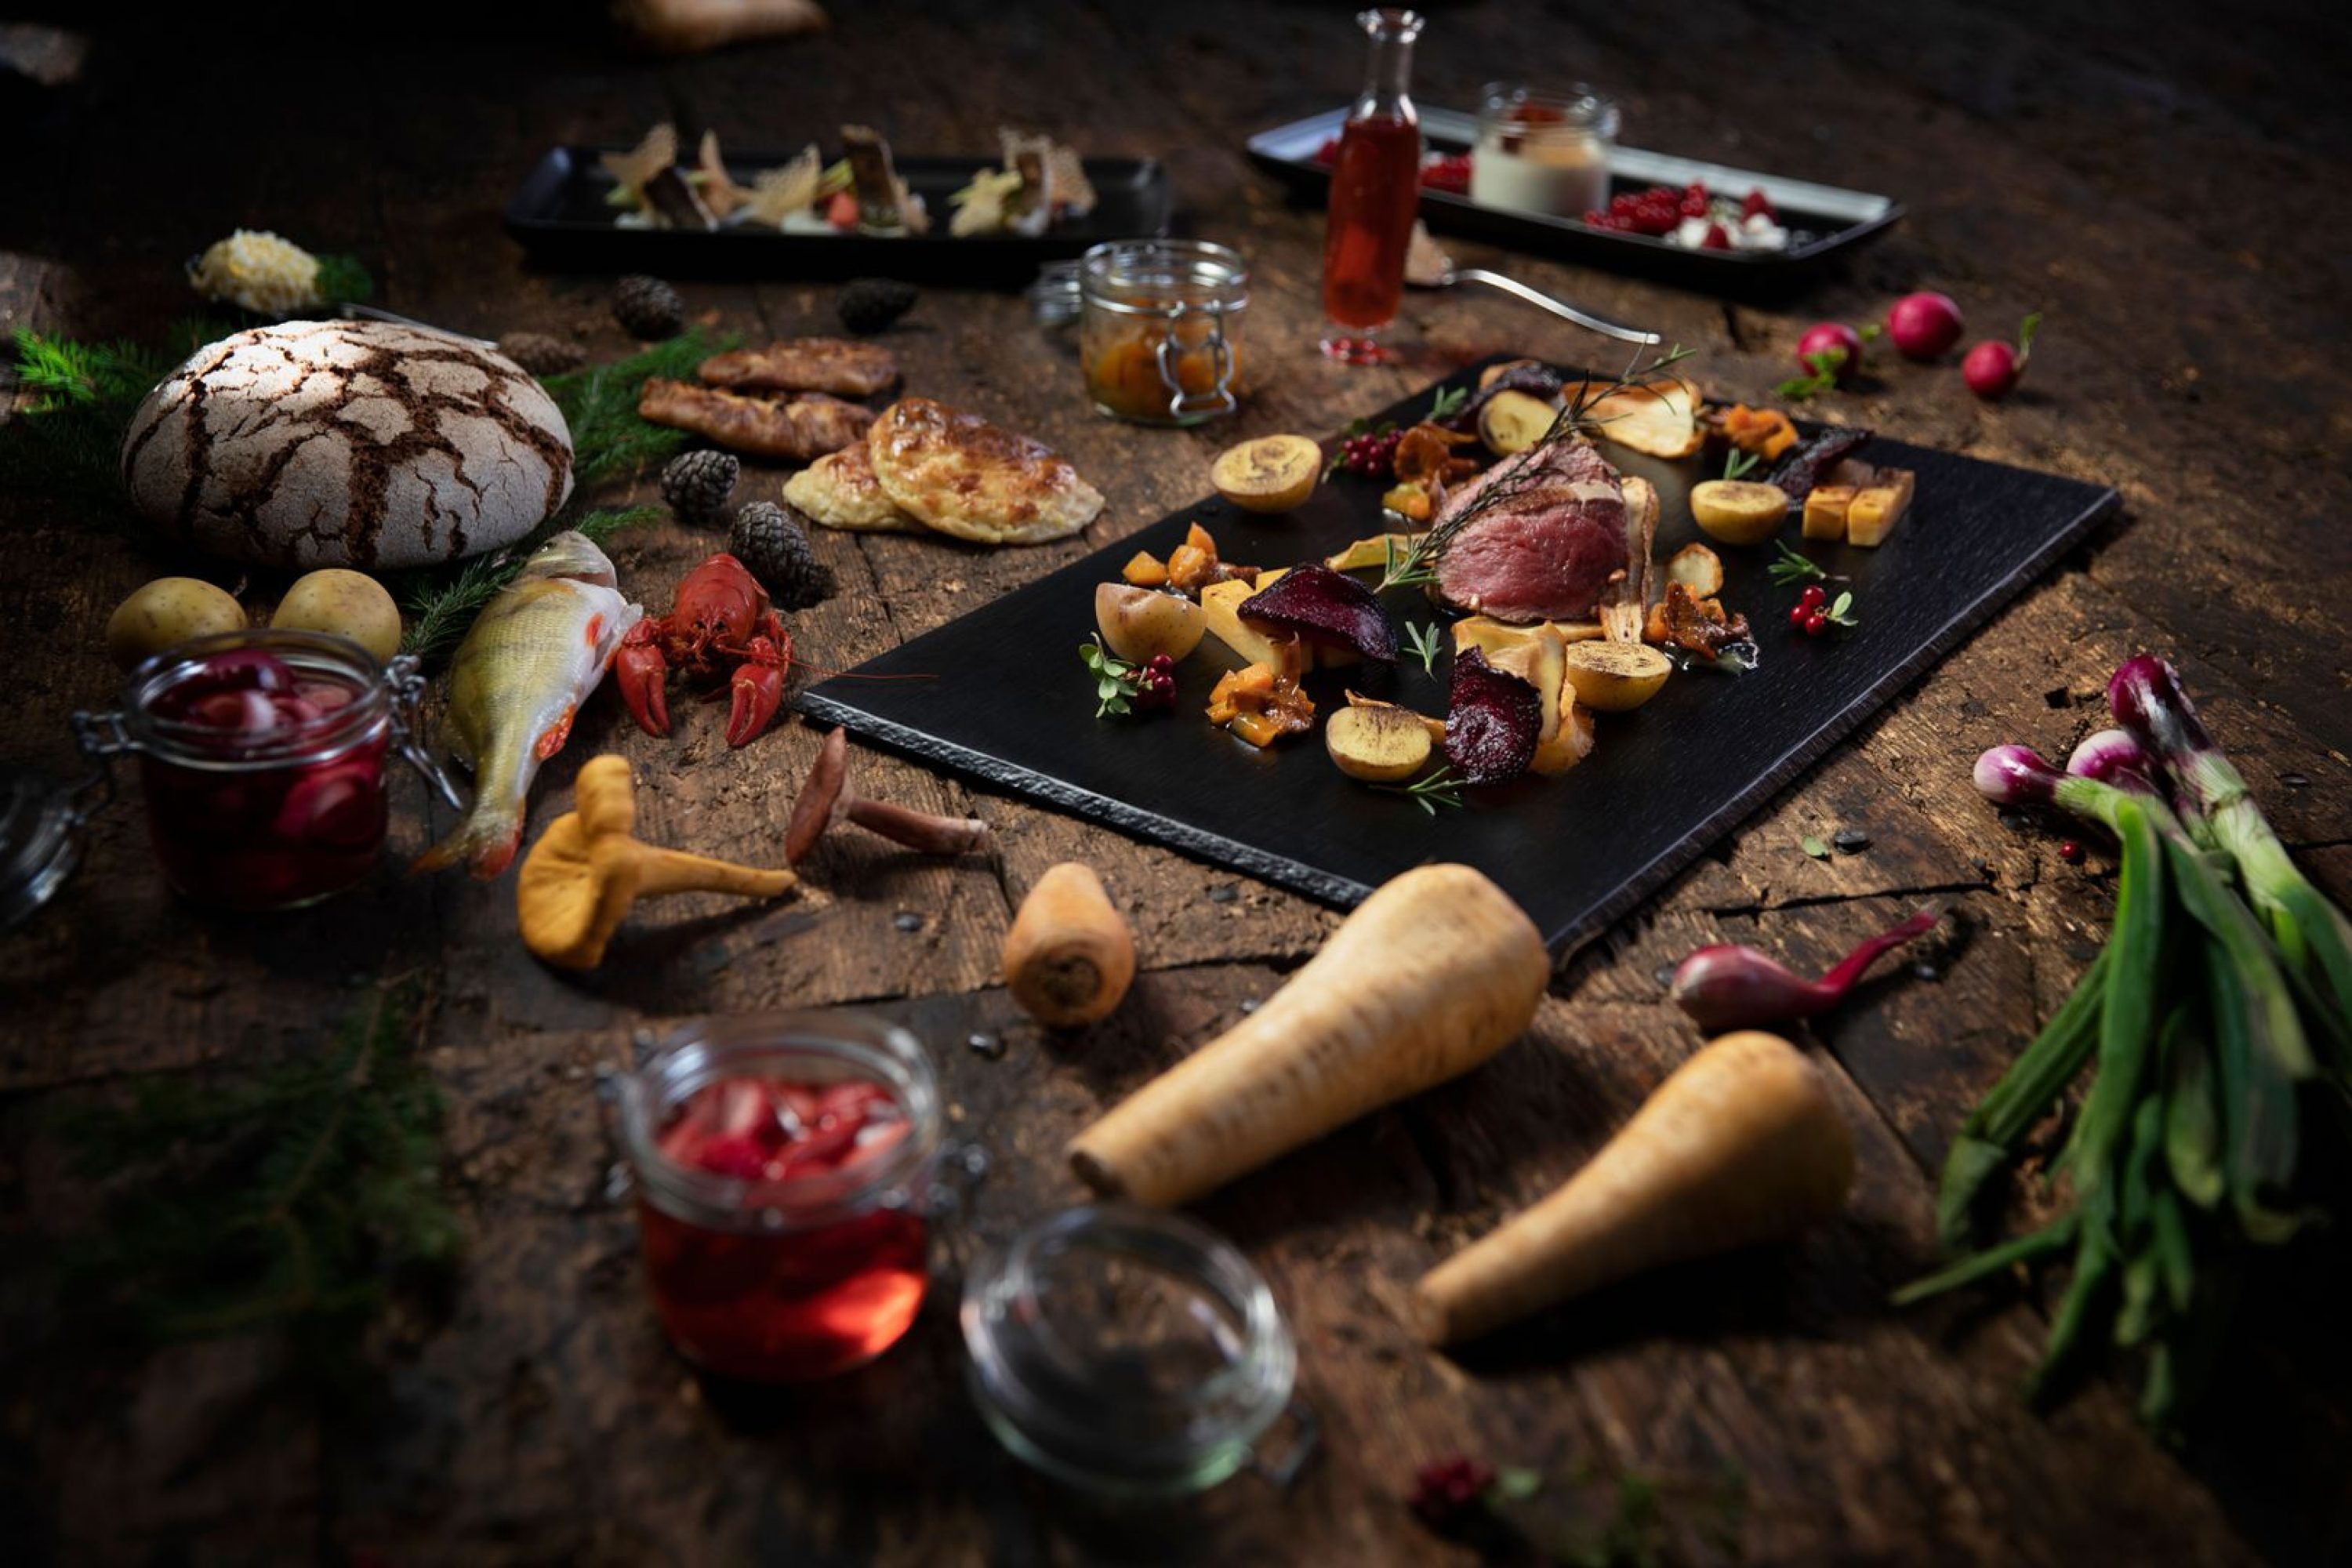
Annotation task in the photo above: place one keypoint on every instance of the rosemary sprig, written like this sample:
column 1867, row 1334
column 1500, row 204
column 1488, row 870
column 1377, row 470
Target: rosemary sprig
column 1423, row 640
column 1792, row 567
column 1407, row 566
column 1440, row 788
column 1447, row 403
column 1737, row 463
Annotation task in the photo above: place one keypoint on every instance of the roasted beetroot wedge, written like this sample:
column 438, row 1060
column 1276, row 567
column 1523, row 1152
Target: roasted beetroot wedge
column 1494, row 723
column 1325, row 606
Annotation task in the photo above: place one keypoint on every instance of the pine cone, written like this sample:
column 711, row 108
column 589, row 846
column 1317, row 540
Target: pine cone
column 774, row 542
column 543, row 354
column 648, row 308
column 697, row 484
column 867, row 305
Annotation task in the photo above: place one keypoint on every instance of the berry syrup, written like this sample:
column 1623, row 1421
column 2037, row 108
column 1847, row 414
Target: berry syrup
column 265, row 786
column 790, row 1304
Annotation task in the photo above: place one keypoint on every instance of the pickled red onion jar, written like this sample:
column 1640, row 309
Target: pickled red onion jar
column 783, row 1167
column 261, row 759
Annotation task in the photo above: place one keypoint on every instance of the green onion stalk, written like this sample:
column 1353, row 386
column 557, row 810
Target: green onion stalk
column 2200, row 1014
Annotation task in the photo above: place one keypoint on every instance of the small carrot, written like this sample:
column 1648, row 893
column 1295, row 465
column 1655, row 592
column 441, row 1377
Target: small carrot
column 1434, row 973
column 1740, row 1144
column 1069, row 957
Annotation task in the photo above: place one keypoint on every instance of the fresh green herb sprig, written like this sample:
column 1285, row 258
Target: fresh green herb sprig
column 1738, row 464
column 1839, row 612
column 1792, row 567
column 1441, row 788
column 342, row 281
column 600, row 404
column 443, row 601
column 1823, row 367
column 1121, row 686
column 1409, row 565
column 1448, row 402
column 304, row 1193
column 1425, row 641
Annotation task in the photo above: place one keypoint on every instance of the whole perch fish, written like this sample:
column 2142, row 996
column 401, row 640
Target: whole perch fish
column 533, row 655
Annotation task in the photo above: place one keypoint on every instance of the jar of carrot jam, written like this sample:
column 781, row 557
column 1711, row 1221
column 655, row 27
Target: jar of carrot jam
column 1158, row 329
column 783, row 1166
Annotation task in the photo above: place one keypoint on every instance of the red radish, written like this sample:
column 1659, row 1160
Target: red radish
column 1924, row 326
column 1828, row 337
column 1993, row 368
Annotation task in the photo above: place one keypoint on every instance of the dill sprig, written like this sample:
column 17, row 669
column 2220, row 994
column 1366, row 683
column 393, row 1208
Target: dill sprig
column 303, row 1193
column 441, row 602
column 600, row 404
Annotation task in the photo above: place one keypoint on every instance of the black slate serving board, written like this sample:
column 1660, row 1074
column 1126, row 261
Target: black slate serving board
column 559, row 215
column 1008, row 702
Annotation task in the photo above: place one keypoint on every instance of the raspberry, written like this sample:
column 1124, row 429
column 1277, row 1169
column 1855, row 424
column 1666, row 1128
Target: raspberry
column 1757, row 202
column 1714, row 238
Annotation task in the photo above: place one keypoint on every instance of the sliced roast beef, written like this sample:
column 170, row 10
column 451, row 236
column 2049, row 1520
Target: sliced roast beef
column 1544, row 550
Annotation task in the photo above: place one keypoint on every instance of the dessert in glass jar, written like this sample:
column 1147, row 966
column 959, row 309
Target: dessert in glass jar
column 1544, row 152
column 783, row 1166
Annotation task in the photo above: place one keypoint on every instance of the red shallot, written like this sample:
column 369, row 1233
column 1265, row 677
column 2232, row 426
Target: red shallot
column 1729, row 987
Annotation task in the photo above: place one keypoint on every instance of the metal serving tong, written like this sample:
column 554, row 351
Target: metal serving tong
column 1512, row 286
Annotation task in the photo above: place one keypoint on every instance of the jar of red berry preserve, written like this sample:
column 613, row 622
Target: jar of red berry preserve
column 784, row 1168
column 261, row 755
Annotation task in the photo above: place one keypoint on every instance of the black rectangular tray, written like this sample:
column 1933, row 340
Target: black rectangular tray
column 1825, row 221
column 561, row 217
column 1006, row 701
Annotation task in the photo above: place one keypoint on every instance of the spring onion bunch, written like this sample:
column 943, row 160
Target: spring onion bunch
column 2220, row 1003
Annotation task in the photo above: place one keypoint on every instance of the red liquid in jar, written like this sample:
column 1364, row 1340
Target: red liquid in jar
column 269, row 835
column 784, row 1306
column 1375, row 192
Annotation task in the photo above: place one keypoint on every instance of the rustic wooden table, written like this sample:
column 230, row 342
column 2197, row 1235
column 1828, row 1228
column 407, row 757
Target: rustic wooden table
column 2166, row 194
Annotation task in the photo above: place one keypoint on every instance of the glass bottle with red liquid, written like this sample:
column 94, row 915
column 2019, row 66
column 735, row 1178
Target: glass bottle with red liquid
column 1375, row 194
column 784, row 1165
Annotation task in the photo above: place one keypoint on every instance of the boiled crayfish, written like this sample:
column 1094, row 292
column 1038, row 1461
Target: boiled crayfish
column 721, row 625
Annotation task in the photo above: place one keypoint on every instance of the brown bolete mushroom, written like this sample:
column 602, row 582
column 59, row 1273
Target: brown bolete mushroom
column 826, row 797
column 580, row 879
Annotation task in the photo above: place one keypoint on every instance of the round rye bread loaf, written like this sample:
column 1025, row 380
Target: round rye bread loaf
column 361, row 444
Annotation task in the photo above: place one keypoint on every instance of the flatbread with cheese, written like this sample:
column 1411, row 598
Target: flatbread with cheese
column 840, row 491
column 975, row 480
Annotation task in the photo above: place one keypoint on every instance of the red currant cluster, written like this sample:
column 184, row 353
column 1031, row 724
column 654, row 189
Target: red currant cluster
column 1155, row 683
column 1810, row 615
column 1372, row 453
column 1447, row 171
column 1660, row 209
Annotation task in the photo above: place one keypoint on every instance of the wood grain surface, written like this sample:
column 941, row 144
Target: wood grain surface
column 2166, row 188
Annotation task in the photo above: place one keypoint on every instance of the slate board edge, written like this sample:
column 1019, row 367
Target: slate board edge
column 1215, row 848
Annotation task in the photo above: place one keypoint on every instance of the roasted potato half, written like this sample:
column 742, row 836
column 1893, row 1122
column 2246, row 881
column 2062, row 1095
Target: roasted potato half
column 1137, row 624
column 1738, row 512
column 1378, row 744
column 1611, row 677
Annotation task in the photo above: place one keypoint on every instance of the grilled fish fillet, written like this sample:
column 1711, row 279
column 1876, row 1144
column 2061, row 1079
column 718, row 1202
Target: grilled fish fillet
column 805, row 364
column 840, row 491
column 966, row 476
column 533, row 655
column 805, row 426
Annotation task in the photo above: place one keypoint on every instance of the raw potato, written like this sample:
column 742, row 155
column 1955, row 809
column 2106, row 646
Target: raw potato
column 1514, row 421
column 1611, row 677
column 1738, row 512
column 1139, row 623
column 1697, row 568
column 166, row 613
column 1273, row 473
column 1377, row 744
column 346, row 604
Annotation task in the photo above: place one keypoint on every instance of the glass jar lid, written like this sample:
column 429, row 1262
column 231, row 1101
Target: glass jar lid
column 1127, row 1351
column 1160, row 276
column 40, row 840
